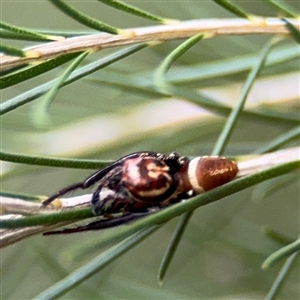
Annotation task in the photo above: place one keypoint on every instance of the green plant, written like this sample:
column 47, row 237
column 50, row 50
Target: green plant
column 107, row 114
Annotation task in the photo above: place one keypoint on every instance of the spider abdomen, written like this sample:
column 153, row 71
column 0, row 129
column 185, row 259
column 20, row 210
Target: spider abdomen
column 208, row 172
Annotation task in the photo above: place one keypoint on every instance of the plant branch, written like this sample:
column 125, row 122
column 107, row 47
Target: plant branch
column 186, row 29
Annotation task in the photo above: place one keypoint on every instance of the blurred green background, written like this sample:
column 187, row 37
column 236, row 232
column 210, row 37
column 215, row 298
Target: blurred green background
column 223, row 248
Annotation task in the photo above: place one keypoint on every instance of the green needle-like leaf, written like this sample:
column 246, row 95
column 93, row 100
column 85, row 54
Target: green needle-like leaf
column 95, row 265
column 173, row 245
column 164, row 87
column 48, row 219
column 283, row 8
column 33, row 71
column 12, row 51
column 281, row 140
column 236, row 111
column 6, row 34
column 78, row 74
column 82, row 18
column 20, row 196
column 160, row 74
column 295, row 33
column 276, row 236
column 281, row 253
column 230, row 66
column 233, row 8
column 40, row 115
column 26, row 32
column 133, row 10
column 282, row 276
column 54, row 162
column 218, row 150
column 272, row 187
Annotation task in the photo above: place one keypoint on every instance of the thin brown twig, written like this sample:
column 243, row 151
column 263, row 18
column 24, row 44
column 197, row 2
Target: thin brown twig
column 185, row 29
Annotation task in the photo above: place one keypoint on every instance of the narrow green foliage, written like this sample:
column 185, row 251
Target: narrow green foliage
column 276, row 236
column 230, row 66
column 173, row 245
column 163, row 86
column 33, row 94
column 218, row 150
column 40, row 115
column 20, row 196
column 54, row 162
column 59, row 34
column 194, row 97
column 137, row 84
column 33, row 71
column 221, row 109
column 67, row 33
column 141, row 83
column 236, row 111
column 48, row 219
column 281, row 253
column 6, row 34
column 283, row 8
column 82, row 18
column 281, row 140
column 271, row 187
column 282, row 276
column 12, row 51
column 95, row 265
column 295, row 33
column 133, row 10
column 160, row 73
column 233, row 8
column 25, row 32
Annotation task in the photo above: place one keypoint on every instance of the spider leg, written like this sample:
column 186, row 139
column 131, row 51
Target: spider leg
column 98, row 175
column 109, row 202
column 101, row 173
column 89, row 181
column 101, row 224
column 79, row 185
